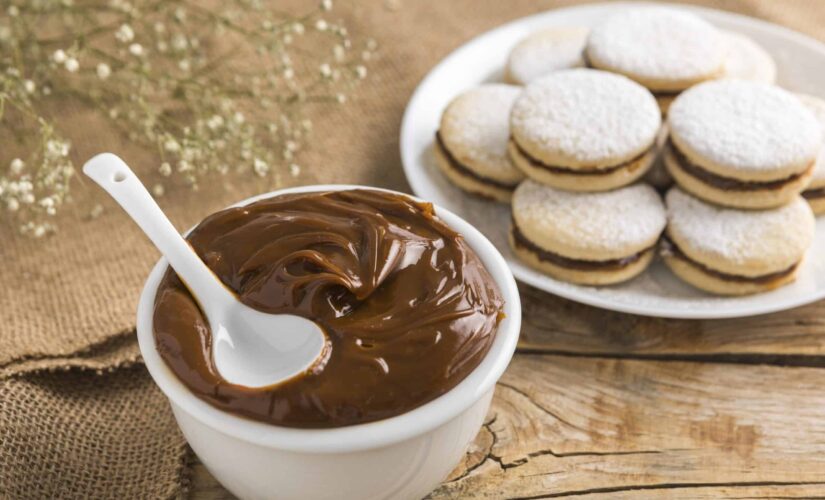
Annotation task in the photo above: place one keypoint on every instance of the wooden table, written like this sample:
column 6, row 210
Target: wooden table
column 598, row 404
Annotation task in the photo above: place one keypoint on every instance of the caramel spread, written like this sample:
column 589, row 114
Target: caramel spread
column 632, row 163
column 726, row 182
column 813, row 194
column 407, row 305
column 463, row 169
column 670, row 248
column 578, row 264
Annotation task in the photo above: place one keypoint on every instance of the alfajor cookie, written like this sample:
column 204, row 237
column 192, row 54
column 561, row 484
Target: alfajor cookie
column 545, row 51
column 586, row 238
column 747, row 60
column 742, row 144
column 666, row 50
column 735, row 252
column 471, row 142
column 815, row 192
column 584, row 130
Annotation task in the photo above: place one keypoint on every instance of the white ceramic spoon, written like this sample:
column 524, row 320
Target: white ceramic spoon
column 249, row 347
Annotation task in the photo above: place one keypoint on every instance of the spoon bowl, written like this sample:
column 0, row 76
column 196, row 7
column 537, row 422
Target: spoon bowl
column 250, row 348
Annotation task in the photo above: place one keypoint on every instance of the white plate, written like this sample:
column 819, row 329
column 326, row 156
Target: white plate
column 656, row 292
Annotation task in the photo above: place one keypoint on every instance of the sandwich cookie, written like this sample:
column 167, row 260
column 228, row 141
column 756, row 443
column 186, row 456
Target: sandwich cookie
column 747, row 60
column 735, row 252
column 815, row 192
column 586, row 238
column 666, row 50
column 471, row 142
column 584, row 130
column 742, row 144
column 546, row 51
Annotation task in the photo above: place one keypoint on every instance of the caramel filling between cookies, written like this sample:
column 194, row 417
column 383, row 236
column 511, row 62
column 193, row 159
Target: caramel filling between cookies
column 670, row 248
column 466, row 171
column 727, row 183
column 577, row 264
column 631, row 164
column 814, row 194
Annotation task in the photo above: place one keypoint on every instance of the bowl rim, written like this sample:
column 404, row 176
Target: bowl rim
column 361, row 436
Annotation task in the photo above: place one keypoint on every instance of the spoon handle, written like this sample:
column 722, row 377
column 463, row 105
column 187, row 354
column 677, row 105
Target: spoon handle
column 113, row 175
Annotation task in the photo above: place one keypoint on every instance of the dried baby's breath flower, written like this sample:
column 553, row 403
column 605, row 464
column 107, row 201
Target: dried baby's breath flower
column 212, row 88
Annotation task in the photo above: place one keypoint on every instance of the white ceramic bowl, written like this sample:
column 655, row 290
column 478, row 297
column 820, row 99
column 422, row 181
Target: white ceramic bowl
column 401, row 457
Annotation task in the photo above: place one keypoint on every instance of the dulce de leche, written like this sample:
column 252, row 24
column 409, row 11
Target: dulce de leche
column 407, row 306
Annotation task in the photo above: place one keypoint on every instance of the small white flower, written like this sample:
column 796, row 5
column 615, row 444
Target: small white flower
column 238, row 117
column 215, row 122
column 339, row 52
column 13, row 11
column 136, row 49
column 179, row 42
column 326, row 5
column 260, row 167
column 16, row 166
column 27, row 198
column 158, row 190
column 325, row 70
column 184, row 65
column 298, row 28
column 103, row 71
column 125, row 33
column 361, row 72
column 289, row 73
column 29, row 86
column 12, row 205
column 165, row 169
column 321, row 25
column 46, row 202
column 39, row 231
column 59, row 56
column 171, row 145
column 341, row 98
column 294, row 170
column 72, row 65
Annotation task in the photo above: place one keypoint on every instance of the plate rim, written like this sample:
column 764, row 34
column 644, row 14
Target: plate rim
column 519, row 270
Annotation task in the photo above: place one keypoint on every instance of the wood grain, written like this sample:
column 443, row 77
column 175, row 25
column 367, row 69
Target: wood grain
column 563, row 426
column 556, row 325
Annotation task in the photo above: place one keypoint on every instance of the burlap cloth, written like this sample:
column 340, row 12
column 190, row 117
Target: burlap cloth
column 79, row 415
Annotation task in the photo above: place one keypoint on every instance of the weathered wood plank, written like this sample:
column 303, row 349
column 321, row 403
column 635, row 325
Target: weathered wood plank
column 563, row 426
column 555, row 325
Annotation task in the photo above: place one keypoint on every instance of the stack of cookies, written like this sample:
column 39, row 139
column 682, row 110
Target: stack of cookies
column 574, row 138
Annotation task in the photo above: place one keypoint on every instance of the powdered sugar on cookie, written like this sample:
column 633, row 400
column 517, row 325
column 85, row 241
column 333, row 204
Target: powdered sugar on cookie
column 475, row 127
column 657, row 45
column 747, row 60
column 585, row 117
column 545, row 51
column 619, row 222
column 748, row 238
column 746, row 126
